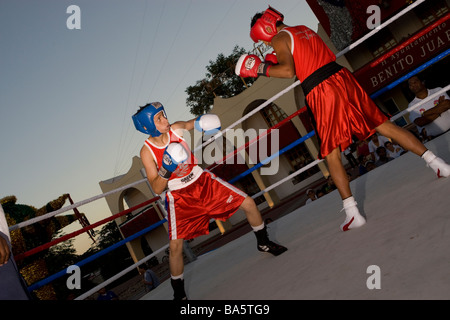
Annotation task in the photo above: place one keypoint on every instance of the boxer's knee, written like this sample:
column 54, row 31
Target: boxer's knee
column 176, row 247
column 248, row 204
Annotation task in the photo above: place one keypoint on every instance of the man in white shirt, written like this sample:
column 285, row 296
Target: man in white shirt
column 434, row 115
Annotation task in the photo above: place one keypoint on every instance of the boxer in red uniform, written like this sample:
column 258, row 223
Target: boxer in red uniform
column 339, row 106
column 194, row 196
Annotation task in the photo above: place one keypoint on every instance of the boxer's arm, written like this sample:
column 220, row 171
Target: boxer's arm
column 432, row 114
column 156, row 181
column 180, row 126
column 285, row 68
column 208, row 123
column 4, row 251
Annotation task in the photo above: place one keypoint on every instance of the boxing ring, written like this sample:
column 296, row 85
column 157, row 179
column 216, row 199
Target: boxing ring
column 315, row 235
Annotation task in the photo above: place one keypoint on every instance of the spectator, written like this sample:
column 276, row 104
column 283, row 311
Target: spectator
column 329, row 186
column 362, row 148
column 382, row 156
column 370, row 165
column 393, row 151
column 106, row 295
column 433, row 117
column 311, row 196
column 375, row 142
column 361, row 167
column 319, row 193
column 350, row 158
column 150, row 279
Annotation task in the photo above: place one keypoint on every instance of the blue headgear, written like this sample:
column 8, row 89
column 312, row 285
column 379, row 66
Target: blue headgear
column 143, row 119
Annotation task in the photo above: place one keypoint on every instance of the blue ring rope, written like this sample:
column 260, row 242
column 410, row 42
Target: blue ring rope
column 273, row 156
column 63, row 272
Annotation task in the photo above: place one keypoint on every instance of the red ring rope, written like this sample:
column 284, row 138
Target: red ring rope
column 76, row 233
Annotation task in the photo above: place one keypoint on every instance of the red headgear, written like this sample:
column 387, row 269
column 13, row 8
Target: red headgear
column 265, row 27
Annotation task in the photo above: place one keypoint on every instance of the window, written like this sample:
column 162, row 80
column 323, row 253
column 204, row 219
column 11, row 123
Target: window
column 381, row 42
column 431, row 11
column 272, row 114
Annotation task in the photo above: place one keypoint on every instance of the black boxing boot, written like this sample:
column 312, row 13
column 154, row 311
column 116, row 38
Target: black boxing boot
column 265, row 245
column 178, row 289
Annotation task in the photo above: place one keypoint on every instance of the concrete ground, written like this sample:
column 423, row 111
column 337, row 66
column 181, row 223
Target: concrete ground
column 406, row 238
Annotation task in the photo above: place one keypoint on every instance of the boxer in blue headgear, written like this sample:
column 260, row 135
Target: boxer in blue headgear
column 193, row 196
column 143, row 119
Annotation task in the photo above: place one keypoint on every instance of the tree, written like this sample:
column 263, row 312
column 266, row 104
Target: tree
column 220, row 80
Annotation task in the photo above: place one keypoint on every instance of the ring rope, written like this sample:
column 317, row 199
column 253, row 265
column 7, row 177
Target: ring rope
column 220, row 133
column 120, row 274
column 291, row 176
column 429, row 98
column 63, row 272
column 78, row 232
column 381, row 26
column 350, row 47
column 296, row 83
column 248, row 115
column 273, row 156
column 76, row 204
column 294, row 174
column 262, row 135
column 216, row 136
column 411, row 73
column 410, row 40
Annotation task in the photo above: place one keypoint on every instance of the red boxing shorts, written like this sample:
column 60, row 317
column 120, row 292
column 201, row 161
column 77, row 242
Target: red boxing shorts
column 191, row 208
column 341, row 108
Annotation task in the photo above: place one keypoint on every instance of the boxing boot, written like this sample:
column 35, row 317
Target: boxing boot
column 353, row 218
column 438, row 165
column 178, row 289
column 265, row 245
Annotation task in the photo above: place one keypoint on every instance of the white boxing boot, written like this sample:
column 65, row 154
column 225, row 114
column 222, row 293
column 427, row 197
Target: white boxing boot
column 439, row 166
column 353, row 218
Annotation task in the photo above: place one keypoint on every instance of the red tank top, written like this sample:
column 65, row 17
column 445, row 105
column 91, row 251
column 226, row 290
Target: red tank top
column 186, row 172
column 309, row 51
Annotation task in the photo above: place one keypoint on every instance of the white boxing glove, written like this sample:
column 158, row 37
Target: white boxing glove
column 208, row 123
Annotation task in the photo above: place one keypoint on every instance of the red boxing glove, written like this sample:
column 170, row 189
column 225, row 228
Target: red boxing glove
column 271, row 58
column 250, row 65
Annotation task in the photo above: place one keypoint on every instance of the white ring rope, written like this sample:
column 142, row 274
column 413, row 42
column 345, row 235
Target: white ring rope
column 276, row 184
column 53, row 213
column 296, row 83
column 381, row 26
column 120, row 274
column 430, row 97
column 248, row 115
column 76, row 204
